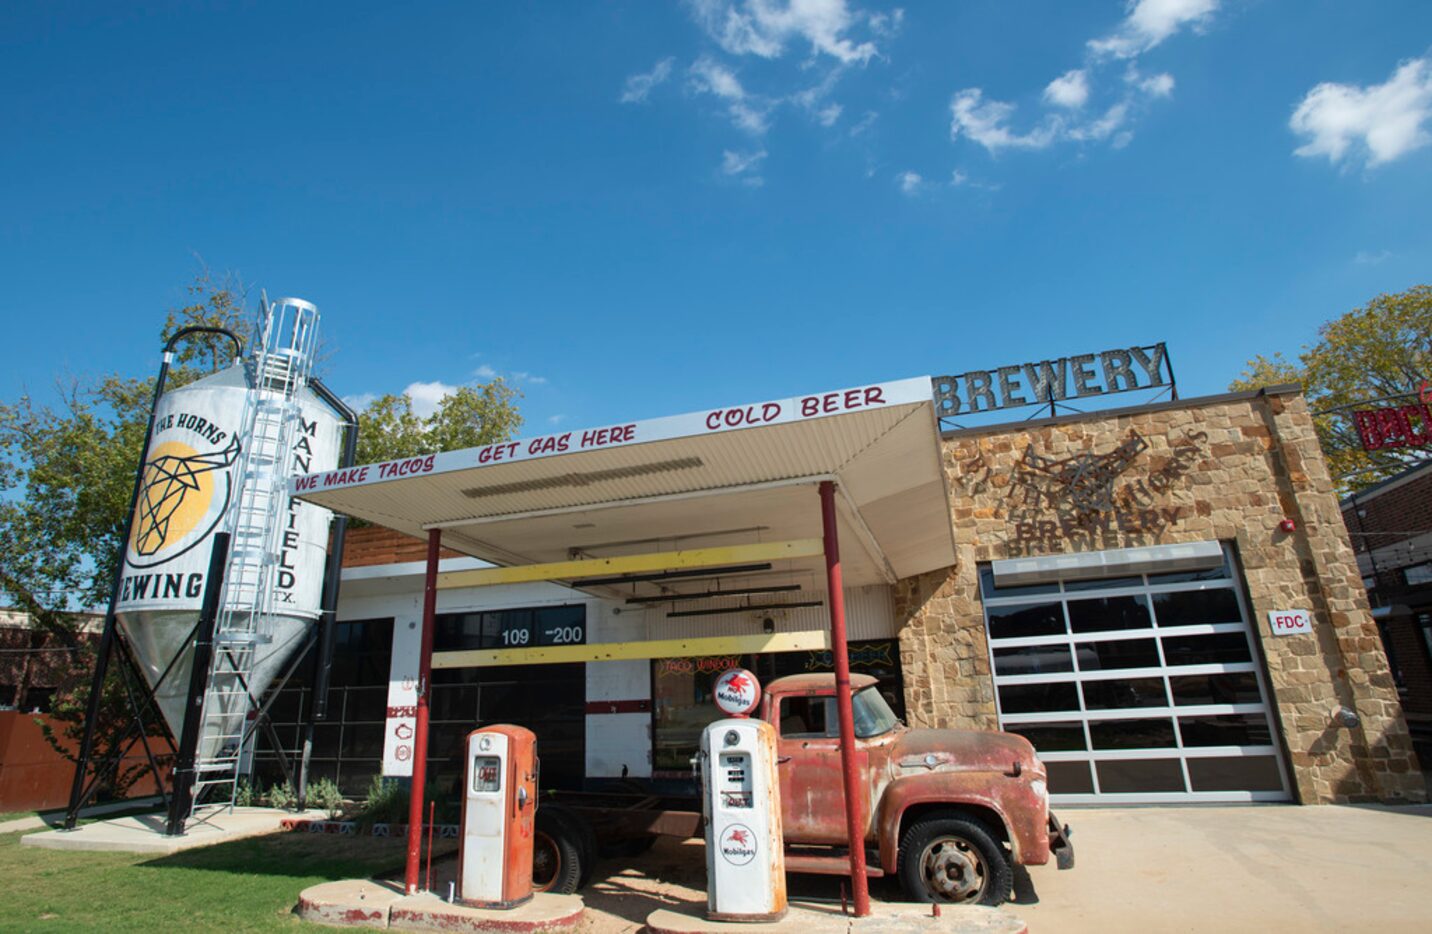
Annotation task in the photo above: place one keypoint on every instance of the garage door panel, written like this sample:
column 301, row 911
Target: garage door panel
column 1136, row 689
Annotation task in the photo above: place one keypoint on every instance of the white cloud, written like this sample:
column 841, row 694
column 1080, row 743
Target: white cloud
column 865, row 123
column 485, row 372
column 985, row 122
column 827, row 116
column 1386, row 120
column 1159, row 85
column 887, row 25
column 361, row 401
column 426, row 396
column 735, row 163
column 961, row 179
column 522, row 376
column 1369, row 258
column 711, row 77
column 1150, row 22
column 1070, row 89
column 764, row 27
column 1103, row 127
column 1147, row 23
column 556, row 419
column 639, row 86
column 910, row 182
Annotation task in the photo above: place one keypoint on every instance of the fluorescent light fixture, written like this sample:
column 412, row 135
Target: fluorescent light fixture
column 752, row 608
column 733, row 592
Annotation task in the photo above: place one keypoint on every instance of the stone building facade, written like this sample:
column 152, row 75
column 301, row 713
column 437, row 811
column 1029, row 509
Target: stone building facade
column 1243, row 470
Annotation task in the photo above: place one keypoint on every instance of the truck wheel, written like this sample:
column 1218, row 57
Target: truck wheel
column 558, row 860
column 954, row 858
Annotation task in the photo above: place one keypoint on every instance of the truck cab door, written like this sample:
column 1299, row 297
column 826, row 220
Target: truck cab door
column 808, row 762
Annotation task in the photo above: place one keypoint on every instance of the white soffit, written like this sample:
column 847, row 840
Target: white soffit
column 1150, row 559
column 688, row 481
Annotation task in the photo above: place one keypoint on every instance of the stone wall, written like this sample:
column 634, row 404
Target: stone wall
column 1227, row 468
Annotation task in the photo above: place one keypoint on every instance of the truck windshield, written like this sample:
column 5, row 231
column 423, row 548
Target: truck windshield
column 873, row 715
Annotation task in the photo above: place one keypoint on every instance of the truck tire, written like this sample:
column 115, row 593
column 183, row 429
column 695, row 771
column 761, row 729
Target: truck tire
column 560, row 861
column 951, row 857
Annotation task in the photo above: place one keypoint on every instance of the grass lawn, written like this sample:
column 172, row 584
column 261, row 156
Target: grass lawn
column 246, row 885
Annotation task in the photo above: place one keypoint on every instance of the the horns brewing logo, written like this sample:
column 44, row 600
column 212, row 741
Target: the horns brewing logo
column 177, row 491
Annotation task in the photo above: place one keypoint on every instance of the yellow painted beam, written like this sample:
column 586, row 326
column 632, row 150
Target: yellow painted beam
column 633, row 564
column 811, row 640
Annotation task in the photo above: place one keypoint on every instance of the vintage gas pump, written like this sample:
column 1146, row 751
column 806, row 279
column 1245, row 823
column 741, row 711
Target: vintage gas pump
column 498, row 810
column 741, row 804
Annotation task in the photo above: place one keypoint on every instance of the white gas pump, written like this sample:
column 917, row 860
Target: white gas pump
column 741, row 804
column 498, row 810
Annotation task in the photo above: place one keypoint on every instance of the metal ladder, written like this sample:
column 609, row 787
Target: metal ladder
column 278, row 370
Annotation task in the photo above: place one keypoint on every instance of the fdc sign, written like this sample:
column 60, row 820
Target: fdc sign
column 1290, row 622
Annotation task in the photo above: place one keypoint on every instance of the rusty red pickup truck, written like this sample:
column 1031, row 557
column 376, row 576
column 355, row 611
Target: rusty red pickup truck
column 950, row 812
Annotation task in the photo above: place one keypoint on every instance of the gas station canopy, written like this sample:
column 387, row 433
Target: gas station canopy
column 726, row 477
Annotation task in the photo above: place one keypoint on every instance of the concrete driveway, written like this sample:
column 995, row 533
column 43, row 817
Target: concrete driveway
column 1254, row 868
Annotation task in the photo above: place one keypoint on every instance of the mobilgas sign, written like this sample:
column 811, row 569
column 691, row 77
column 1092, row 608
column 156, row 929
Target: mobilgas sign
column 1051, row 381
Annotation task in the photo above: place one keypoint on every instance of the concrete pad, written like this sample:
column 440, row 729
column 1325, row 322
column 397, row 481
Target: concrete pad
column 380, row 904
column 819, row 919
column 349, row 903
column 144, row 833
column 428, row 912
column 1232, row 869
column 53, row 818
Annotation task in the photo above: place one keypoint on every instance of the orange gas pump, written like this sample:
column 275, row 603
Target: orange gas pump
column 498, row 810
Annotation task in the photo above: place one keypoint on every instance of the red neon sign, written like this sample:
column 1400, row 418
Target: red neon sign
column 1404, row 426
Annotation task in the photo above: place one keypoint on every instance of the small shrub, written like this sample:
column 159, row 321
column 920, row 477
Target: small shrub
column 386, row 803
column 325, row 794
column 244, row 794
column 281, row 796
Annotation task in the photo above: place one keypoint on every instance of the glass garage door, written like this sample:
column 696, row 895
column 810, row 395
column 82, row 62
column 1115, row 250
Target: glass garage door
column 1136, row 689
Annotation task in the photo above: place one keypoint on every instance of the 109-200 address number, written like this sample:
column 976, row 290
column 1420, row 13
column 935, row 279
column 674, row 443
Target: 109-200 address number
column 562, row 635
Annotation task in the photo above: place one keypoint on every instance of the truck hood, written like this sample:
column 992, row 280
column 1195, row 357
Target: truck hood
column 964, row 750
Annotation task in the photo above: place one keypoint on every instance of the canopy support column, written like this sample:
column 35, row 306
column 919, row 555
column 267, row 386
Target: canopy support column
column 835, row 590
column 420, row 738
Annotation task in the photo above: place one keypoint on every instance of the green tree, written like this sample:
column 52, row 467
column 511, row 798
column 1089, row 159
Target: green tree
column 389, row 429
column 1378, row 354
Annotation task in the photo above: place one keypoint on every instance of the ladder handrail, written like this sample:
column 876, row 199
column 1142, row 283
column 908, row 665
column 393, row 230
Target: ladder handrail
column 278, row 371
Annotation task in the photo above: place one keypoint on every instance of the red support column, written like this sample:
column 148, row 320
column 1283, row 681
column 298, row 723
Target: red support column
column 835, row 593
column 420, row 739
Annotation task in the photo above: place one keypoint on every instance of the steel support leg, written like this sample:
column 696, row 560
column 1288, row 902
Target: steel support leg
column 420, row 739
column 835, row 593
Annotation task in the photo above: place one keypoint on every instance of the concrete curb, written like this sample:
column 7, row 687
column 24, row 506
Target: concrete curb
column 896, row 919
column 365, row 903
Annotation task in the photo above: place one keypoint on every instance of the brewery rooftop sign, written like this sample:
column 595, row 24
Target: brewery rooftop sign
column 1049, row 382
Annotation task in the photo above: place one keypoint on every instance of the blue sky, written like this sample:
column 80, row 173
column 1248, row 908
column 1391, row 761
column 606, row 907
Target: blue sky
column 634, row 209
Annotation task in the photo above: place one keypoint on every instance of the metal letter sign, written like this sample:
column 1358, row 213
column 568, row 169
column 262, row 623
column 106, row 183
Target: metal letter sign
column 1406, row 426
column 1050, row 382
